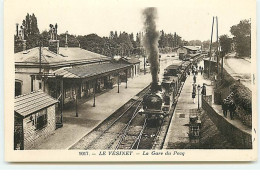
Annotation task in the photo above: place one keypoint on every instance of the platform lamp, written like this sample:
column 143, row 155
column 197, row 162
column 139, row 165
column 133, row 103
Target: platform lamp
column 198, row 96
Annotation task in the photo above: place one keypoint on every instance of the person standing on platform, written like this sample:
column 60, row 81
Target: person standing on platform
column 193, row 95
column 225, row 107
column 201, row 72
column 203, row 91
column 232, row 108
column 194, row 79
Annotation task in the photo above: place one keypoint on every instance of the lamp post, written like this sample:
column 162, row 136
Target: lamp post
column 198, row 97
column 144, row 65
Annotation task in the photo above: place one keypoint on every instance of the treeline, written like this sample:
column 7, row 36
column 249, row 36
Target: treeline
column 125, row 44
column 117, row 43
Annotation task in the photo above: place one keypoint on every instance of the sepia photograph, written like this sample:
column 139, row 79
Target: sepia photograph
column 130, row 80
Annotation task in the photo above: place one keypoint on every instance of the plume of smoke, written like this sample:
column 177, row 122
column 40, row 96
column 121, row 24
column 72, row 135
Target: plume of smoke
column 150, row 41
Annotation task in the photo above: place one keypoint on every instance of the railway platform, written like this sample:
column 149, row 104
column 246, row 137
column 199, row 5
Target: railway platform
column 178, row 130
column 74, row 128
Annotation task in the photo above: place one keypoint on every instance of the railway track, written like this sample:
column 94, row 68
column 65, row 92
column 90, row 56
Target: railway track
column 106, row 135
column 131, row 137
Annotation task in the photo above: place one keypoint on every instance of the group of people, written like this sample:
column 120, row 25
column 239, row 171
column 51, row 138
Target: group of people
column 203, row 91
column 229, row 105
column 195, row 70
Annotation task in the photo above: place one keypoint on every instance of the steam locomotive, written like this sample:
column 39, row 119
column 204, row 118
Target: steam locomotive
column 158, row 101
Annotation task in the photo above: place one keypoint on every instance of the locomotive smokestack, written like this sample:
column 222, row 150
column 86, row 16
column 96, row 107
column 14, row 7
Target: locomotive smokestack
column 150, row 41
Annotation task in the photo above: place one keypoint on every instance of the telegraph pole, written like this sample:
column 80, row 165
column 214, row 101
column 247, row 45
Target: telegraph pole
column 210, row 47
column 40, row 56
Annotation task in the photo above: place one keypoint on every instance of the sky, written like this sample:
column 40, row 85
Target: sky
column 191, row 19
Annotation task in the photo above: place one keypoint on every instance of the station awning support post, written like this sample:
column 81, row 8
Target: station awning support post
column 126, row 78
column 94, row 90
column 118, row 82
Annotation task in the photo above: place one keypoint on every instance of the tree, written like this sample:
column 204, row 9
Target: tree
column 195, row 43
column 225, row 43
column 161, row 40
column 31, row 31
column 125, row 44
column 242, row 37
column 91, row 42
column 45, row 36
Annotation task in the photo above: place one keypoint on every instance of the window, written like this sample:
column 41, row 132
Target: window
column 18, row 88
column 67, row 93
column 40, row 85
column 41, row 119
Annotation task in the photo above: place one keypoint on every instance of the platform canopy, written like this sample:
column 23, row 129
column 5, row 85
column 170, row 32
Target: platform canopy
column 92, row 70
column 27, row 104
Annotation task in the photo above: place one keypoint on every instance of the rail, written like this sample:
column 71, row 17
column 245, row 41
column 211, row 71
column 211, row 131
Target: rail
column 117, row 119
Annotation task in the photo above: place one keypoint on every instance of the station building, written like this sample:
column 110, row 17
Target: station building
column 187, row 50
column 135, row 70
column 67, row 73
column 33, row 73
column 34, row 119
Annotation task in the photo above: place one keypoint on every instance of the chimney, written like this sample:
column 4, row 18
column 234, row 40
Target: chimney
column 54, row 46
column 20, row 43
column 17, row 26
column 66, row 41
column 54, row 42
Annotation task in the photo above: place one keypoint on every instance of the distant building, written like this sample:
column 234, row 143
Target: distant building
column 34, row 119
column 135, row 70
column 182, row 52
column 210, row 64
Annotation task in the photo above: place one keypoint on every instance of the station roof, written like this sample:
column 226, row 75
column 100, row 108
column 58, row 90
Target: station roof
column 32, row 56
column 76, row 53
column 131, row 60
column 91, row 70
column 27, row 104
column 65, row 57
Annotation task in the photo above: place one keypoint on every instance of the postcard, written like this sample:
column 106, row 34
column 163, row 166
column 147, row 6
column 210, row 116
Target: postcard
column 130, row 81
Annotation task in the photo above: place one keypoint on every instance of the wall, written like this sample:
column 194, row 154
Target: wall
column 23, row 75
column 34, row 137
column 239, row 138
